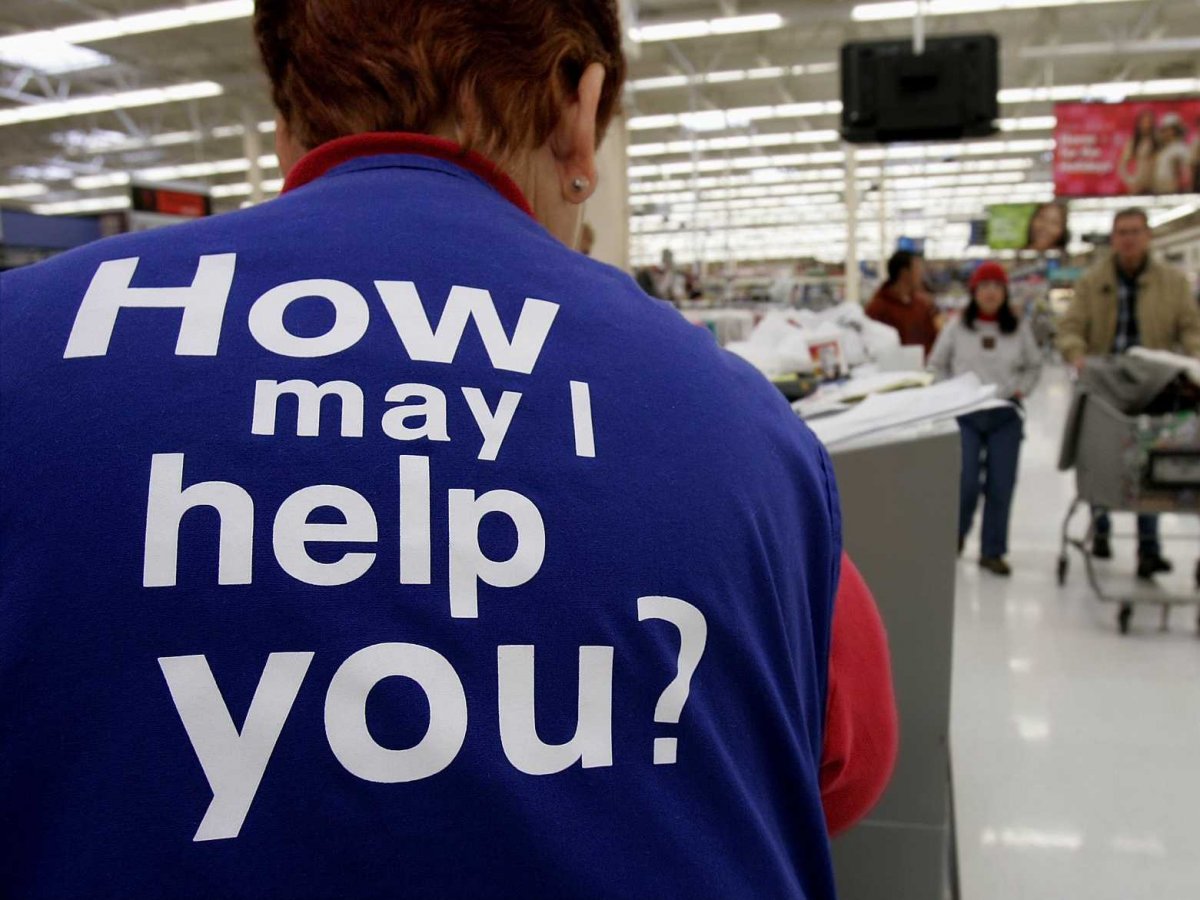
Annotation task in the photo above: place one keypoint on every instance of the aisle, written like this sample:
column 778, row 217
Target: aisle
column 1076, row 751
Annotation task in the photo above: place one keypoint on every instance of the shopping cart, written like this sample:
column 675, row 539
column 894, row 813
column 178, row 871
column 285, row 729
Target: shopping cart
column 1137, row 464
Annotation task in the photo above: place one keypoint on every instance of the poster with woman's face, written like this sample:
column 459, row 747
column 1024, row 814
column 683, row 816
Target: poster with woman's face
column 1130, row 149
column 1028, row 226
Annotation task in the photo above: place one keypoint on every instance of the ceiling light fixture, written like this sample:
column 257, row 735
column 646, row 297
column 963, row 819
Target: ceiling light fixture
column 97, row 103
column 171, row 173
column 73, row 207
column 21, row 191
column 908, row 9
column 730, row 75
column 46, row 52
column 156, row 20
column 1101, row 90
column 677, row 31
column 1106, row 90
column 710, row 119
column 242, row 189
column 817, row 136
column 1171, row 215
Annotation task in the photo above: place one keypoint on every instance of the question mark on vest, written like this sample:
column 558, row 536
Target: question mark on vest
column 693, row 633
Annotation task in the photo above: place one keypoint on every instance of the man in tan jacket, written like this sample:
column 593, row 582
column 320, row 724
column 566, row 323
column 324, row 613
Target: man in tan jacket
column 1128, row 300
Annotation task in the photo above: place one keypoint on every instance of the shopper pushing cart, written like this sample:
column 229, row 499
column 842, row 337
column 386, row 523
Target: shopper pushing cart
column 1127, row 300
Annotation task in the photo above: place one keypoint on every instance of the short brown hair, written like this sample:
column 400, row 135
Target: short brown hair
column 1131, row 212
column 496, row 71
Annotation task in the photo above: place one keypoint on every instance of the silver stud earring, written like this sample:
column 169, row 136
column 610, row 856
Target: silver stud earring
column 578, row 184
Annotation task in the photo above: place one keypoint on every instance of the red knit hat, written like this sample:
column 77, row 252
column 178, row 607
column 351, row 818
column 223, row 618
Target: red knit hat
column 989, row 271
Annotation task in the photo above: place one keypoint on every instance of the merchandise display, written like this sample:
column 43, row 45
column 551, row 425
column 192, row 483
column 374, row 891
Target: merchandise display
column 830, row 342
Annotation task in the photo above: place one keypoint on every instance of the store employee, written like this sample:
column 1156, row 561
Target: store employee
column 373, row 542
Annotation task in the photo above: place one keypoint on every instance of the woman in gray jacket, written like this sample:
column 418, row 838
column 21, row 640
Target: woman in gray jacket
column 992, row 342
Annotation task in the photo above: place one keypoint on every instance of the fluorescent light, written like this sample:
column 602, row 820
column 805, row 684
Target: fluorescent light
column 1114, row 90
column 725, row 76
column 834, row 157
column 665, row 120
column 676, row 31
column 664, row 81
column 735, row 142
column 195, row 170
column 746, row 24
column 105, row 180
column 104, row 142
column 816, row 136
column 768, row 182
column 205, row 169
column 965, row 192
column 158, row 20
column 20, row 191
column 930, row 159
column 96, row 103
column 670, row 32
column 49, row 172
column 242, row 189
column 908, row 9
column 1170, row 215
column 47, row 52
column 71, row 207
column 170, row 173
column 1029, row 123
column 736, row 117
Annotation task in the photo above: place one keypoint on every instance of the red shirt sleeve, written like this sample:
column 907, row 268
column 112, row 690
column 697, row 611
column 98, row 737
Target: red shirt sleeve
column 861, row 731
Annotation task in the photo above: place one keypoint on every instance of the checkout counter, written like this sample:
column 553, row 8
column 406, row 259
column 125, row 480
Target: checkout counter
column 899, row 496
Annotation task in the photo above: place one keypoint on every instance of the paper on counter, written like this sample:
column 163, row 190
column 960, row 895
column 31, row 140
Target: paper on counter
column 881, row 412
column 839, row 397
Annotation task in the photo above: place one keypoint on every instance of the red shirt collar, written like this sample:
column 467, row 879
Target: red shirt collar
column 334, row 153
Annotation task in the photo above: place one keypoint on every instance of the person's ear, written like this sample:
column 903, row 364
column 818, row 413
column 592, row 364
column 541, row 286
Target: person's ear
column 286, row 148
column 573, row 141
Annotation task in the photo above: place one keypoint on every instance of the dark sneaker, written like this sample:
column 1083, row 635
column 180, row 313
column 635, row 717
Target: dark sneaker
column 1151, row 564
column 1101, row 548
column 995, row 565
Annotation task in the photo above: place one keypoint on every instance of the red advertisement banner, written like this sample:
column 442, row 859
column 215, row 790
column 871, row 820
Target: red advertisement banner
column 1135, row 148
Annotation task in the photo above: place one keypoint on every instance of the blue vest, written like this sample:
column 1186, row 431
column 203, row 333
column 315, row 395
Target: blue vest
column 370, row 542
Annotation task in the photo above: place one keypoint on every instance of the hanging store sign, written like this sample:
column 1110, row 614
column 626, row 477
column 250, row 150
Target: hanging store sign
column 171, row 201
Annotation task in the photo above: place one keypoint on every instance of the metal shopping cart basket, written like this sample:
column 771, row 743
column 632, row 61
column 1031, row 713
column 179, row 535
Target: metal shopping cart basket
column 1138, row 464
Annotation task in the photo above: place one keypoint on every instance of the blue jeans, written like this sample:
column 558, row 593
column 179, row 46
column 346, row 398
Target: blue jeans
column 991, row 447
column 1147, row 530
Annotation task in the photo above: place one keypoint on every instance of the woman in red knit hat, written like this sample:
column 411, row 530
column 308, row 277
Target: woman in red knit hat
column 992, row 342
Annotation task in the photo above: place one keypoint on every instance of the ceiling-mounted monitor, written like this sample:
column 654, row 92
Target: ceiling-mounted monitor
column 891, row 93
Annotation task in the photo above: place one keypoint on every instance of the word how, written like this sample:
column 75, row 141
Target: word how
column 203, row 304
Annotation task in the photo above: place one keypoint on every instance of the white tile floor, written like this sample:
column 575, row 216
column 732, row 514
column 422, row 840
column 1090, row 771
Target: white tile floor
column 1076, row 750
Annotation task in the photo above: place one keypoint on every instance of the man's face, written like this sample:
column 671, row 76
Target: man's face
column 1130, row 240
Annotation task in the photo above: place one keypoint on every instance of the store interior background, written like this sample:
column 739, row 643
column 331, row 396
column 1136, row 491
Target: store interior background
column 1074, row 749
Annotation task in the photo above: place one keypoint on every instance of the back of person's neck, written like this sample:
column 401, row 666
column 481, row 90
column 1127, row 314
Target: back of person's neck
column 902, row 293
